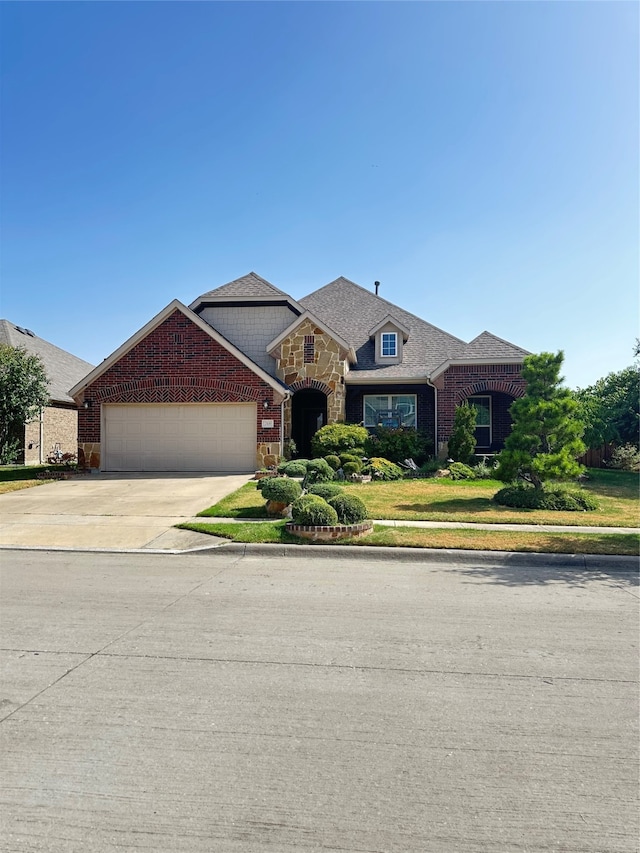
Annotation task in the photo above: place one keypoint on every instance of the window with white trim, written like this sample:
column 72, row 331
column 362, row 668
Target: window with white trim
column 390, row 410
column 389, row 344
column 482, row 405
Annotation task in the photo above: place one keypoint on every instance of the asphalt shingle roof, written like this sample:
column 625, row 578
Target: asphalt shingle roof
column 353, row 311
column 487, row 345
column 63, row 369
column 250, row 285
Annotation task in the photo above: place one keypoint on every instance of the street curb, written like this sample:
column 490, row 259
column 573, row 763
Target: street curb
column 589, row 562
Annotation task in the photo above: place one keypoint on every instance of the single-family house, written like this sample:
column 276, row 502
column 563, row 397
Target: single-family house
column 56, row 426
column 220, row 384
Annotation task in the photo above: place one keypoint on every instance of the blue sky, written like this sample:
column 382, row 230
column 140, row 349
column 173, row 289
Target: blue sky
column 479, row 159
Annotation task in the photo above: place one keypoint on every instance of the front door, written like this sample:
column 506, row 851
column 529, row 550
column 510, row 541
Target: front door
column 308, row 414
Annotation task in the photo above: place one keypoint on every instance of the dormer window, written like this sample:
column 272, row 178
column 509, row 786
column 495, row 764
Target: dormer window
column 389, row 345
column 389, row 337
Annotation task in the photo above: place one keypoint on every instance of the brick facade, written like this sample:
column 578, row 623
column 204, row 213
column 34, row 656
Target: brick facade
column 177, row 362
column 459, row 382
column 425, row 402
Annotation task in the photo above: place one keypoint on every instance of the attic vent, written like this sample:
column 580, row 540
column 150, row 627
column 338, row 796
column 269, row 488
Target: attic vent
column 309, row 349
column 21, row 330
column 30, row 333
column 178, row 338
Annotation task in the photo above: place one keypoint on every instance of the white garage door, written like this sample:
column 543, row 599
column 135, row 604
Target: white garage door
column 176, row 437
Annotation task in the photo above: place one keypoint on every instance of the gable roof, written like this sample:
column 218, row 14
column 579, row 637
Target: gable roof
column 63, row 369
column 142, row 333
column 275, row 343
column 354, row 311
column 487, row 345
column 247, row 288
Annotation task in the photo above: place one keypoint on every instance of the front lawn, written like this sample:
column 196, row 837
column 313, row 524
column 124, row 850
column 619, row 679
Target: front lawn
column 15, row 477
column 464, row 500
column 620, row 544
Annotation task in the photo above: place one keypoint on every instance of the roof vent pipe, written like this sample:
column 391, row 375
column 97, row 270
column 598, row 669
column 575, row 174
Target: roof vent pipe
column 376, row 285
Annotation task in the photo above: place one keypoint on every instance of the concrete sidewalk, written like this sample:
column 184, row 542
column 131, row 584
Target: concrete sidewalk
column 454, row 525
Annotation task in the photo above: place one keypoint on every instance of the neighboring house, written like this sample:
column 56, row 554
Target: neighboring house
column 56, row 427
column 219, row 385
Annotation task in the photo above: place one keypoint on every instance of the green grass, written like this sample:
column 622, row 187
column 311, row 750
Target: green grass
column 621, row 544
column 15, row 477
column 466, row 500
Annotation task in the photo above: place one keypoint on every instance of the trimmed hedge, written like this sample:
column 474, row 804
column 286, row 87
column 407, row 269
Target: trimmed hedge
column 350, row 468
column 294, row 468
column 280, row 489
column 557, row 498
column 319, row 471
column 338, row 438
column 333, row 460
column 460, row 471
column 382, row 469
column 350, row 508
column 313, row 510
column 325, row 490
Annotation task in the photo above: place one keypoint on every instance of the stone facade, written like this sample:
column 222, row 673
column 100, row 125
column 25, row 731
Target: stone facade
column 57, row 428
column 177, row 362
column 325, row 372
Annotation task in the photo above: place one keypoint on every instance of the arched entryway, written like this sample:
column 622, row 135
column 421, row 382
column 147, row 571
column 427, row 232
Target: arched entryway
column 308, row 414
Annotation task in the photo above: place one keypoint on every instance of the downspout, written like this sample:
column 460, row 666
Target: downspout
column 436, row 449
column 41, row 451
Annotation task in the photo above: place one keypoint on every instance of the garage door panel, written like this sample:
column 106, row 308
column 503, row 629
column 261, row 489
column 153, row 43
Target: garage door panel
column 175, row 437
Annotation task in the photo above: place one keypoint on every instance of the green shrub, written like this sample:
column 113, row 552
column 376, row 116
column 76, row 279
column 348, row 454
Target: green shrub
column 325, row 490
column 351, row 468
column 462, row 441
column 460, row 471
column 382, row 469
column 399, row 444
column 280, row 489
column 295, row 468
column 318, row 471
column 337, row 439
column 350, row 508
column 313, row 510
column 333, row 460
column 625, row 458
column 349, row 457
column 552, row 497
column 484, row 470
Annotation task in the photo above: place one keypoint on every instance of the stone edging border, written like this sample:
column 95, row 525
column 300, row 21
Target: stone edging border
column 329, row 532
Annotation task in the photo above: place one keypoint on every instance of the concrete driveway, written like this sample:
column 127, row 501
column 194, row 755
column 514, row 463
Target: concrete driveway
column 111, row 510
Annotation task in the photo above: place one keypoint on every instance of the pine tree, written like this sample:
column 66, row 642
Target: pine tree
column 545, row 439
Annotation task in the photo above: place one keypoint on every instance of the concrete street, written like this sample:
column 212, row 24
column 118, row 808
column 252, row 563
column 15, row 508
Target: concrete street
column 219, row 702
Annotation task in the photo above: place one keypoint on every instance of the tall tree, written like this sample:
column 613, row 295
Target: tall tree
column 23, row 392
column 610, row 408
column 546, row 436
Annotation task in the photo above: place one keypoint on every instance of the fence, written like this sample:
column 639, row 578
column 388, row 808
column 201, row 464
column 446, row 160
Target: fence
column 597, row 457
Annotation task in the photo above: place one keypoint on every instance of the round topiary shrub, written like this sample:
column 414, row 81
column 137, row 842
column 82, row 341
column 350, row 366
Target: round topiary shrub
column 325, row 490
column 349, row 457
column 313, row 511
column 333, row 460
column 338, row 438
column 351, row 469
column 281, row 489
column 350, row 508
column 319, row 471
column 556, row 498
column 295, row 468
column 460, row 471
column 382, row 469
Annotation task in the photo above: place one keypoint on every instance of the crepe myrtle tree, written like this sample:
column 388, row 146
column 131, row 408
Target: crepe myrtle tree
column 546, row 436
column 23, row 392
